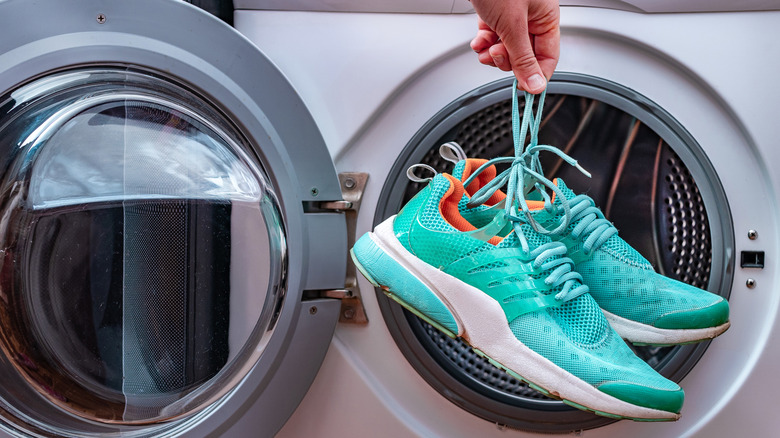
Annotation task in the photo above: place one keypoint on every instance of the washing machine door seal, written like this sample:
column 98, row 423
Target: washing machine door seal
column 117, row 59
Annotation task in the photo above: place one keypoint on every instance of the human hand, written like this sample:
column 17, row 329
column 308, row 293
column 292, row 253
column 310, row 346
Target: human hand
column 522, row 36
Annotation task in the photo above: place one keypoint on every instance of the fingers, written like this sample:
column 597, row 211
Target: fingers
column 547, row 49
column 485, row 58
column 485, row 38
column 484, row 44
column 500, row 56
column 516, row 53
column 521, row 36
column 524, row 64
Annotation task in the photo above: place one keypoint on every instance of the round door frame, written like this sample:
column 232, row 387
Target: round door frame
column 198, row 51
column 551, row 416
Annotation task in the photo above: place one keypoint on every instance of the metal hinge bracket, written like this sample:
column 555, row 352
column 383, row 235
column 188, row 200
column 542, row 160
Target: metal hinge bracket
column 352, row 186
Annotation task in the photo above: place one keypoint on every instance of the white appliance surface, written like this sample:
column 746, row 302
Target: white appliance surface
column 371, row 80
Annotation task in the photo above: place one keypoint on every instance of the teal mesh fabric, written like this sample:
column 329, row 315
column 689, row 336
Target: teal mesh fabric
column 403, row 221
column 444, row 248
column 620, row 249
column 457, row 171
column 429, row 215
column 625, row 283
column 607, row 359
column 581, row 320
column 511, row 241
column 480, row 215
column 534, row 239
column 437, row 243
column 638, row 294
column 574, row 335
column 620, row 279
column 617, row 246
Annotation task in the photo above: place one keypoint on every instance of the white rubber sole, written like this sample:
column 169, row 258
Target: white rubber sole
column 482, row 323
column 643, row 334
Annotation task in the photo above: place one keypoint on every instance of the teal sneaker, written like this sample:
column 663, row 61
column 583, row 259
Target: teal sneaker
column 515, row 300
column 643, row 306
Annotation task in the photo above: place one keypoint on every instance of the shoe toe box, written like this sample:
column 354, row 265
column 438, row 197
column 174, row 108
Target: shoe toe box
column 662, row 399
column 712, row 315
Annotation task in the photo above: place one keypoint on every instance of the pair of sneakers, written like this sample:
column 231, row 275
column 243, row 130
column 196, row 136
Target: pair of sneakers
column 540, row 285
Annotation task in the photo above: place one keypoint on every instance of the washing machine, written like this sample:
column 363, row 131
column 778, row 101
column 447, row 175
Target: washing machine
column 178, row 199
column 669, row 105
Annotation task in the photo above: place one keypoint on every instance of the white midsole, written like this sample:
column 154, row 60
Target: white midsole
column 633, row 331
column 482, row 322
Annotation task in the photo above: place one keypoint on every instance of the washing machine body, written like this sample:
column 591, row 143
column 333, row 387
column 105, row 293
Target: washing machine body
column 175, row 242
column 386, row 84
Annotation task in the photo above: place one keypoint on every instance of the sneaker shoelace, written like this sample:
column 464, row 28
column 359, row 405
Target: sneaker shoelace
column 592, row 223
column 525, row 171
column 552, row 256
column 582, row 208
column 548, row 257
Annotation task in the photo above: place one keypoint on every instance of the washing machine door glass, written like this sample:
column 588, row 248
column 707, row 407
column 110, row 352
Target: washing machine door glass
column 141, row 249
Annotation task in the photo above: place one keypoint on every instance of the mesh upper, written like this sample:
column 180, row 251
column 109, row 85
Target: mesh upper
column 457, row 171
column 616, row 245
column 609, row 360
column 445, row 243
column 639, row 294
column 625, row 283
column 403, row 220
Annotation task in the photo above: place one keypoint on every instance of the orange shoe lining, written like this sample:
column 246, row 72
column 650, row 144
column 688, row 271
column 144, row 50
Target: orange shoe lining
column 481, row 180
column 535, row 205
column 539, row 205
column 448, row 207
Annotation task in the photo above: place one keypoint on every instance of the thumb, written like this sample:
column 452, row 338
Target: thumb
column 524, row 63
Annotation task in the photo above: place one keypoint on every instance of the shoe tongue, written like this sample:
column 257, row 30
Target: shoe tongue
column 615, row 243
column 459, row 169
column 567, row 192
column 464, row 168
column 534, row 239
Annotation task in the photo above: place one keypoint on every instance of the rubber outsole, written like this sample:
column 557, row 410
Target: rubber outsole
column 643, row 334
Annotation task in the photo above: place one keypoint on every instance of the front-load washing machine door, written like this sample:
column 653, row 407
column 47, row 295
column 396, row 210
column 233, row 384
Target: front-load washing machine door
column 160, row 229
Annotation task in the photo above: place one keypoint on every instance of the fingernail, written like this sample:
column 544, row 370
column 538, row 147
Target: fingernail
column 498, row 59
column 536, row 82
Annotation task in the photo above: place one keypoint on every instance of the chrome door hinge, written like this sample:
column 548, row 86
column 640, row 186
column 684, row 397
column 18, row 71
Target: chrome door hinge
column 352, row 186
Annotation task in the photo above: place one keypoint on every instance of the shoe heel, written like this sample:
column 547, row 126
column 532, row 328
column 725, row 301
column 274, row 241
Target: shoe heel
column 401, row 285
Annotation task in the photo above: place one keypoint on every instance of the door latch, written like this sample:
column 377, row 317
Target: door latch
column 352, row 186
